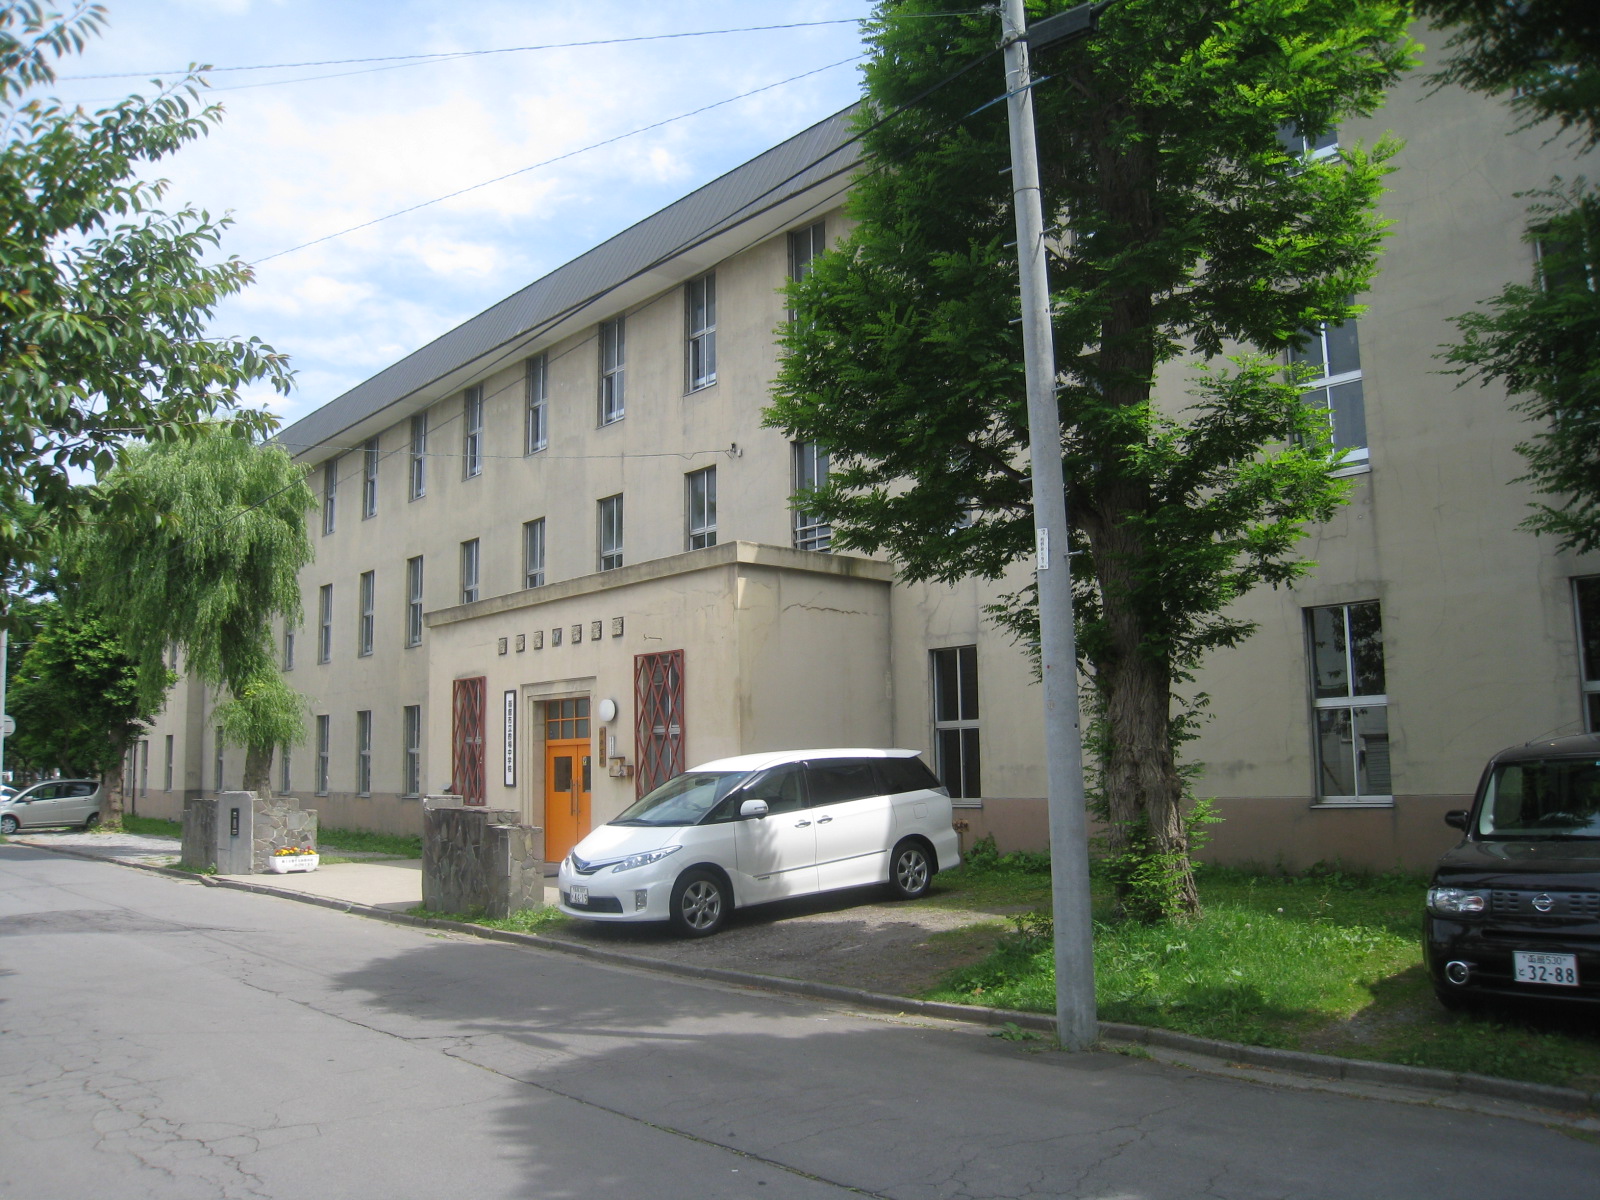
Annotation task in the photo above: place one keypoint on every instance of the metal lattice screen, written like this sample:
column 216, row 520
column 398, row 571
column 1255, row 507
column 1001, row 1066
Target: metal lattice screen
column 658, row 718
column 466, row 742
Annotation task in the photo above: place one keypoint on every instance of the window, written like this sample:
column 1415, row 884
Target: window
column 1349, row 704
column 285, row 768
column 1586, row 601
column 1303, row 145
column 1332, row 358
column 955, row 721
column 533, row 553
column 611, row 533
column 411, row 769
column 364, row 628
column 167, row 772
column 364, row 752
column 811, row 532
column 369, row 479
column 324, row 736
column 701, row 508
column 330, row 493
column 613, row 356
column 469, row 571
column 419, row 456
column 804, row 246
column 1565, row 254
column 325, row 623
column 414, row 601
column 536, row 436
column 288, row 646
column 700, row 297
column 840, row 780
column 472, row 433
column 216, row 763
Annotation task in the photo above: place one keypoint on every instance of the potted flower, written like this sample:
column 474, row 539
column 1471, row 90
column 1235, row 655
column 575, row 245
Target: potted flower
column 293, row 858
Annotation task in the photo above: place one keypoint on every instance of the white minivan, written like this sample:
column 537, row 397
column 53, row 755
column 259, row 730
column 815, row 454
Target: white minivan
column 760, row 827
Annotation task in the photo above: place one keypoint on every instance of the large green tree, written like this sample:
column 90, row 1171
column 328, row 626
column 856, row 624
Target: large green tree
column 104, row 297
column 197, row 546
column 1184, row 222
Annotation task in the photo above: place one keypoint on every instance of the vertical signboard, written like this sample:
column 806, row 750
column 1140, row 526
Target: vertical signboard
column 511, row 739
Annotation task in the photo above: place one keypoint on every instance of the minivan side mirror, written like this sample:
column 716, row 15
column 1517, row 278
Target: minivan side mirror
column 1456, row 818
column 753, row 808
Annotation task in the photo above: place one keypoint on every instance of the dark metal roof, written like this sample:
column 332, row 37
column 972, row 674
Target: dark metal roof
column 749, row 203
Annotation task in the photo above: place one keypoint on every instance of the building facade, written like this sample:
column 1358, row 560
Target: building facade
column 557, row 559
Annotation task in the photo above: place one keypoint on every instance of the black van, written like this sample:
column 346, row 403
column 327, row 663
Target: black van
column 1514, row 909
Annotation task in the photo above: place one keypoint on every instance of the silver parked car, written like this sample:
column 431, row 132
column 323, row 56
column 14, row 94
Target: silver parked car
column 53, row 802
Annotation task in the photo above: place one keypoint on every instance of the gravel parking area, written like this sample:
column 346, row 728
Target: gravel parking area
column 124, row 847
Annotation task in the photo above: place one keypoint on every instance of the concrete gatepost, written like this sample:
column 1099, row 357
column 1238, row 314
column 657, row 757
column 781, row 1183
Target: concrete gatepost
column 477, row 859
column 234, row 833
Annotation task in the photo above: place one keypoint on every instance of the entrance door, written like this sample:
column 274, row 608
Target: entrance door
column 566, row 775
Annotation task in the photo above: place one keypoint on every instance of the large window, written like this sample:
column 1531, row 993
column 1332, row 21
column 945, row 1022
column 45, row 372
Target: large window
column 611, row 533
column 701, row 507
column 325, row 623
column 364, row 752
column 330, row 493
column 414, row 601
column 1309, row 145
column 285, row 768
column 288, row 646
column 533, row 553
column 536, row 433
column 1349, row 703
column 171, row 754
column 472, row 432
column 369, row 587
column 419, row 456
column 324, row 739
column 1332, row 361
column 1586, row 600
column 701, row 316
column 955, row 721
column 369, row 479
column 613, row 362
column 411, row 768
column 469, row 571
column 804, row 246
column 811, row 532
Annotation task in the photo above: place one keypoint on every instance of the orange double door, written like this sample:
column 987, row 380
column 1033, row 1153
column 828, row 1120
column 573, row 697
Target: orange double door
column 567, row 766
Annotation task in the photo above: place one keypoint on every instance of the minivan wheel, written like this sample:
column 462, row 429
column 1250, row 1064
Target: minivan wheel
column 910, row 871
column 91, row 821
column 700, row 903
column 8, row 824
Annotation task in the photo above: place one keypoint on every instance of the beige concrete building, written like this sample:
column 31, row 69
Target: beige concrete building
column 557, row 562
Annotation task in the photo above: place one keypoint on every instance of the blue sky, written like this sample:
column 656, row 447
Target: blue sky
column 298, row 156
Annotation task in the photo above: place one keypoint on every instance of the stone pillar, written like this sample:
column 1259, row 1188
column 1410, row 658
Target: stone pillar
column 219, row 833
column 479, row 860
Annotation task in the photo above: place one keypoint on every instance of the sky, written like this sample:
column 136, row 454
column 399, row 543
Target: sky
column 309, row 151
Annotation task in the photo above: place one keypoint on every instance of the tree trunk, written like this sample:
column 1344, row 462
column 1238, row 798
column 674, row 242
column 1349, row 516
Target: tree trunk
column 111, row 794
column 258, row 770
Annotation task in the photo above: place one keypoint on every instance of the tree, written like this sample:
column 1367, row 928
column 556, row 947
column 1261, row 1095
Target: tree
column 199, row 547
column 1540, row 338
column 1182, row 224
column 77, row 701
column 104, row 298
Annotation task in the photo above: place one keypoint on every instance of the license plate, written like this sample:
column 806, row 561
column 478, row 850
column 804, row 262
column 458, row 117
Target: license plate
column 580, row 895
column 1558, row 969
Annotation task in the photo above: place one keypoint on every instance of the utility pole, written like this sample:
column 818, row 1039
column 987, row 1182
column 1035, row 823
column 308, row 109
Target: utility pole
column 1077, row 1025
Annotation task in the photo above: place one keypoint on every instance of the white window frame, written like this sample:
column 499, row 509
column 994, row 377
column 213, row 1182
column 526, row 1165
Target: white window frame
column 414, row 601
column 325, row 623
column 369, row 479
column 533, row 553
column 285, row 768
column 330, row 495
column 419, row 455
column 171, row 758
column 470, row 563
column 804, row 247
column 1356, row 458
column 700, row 317
column 810, row 470
column 324, row 748
column 1323, row 145
column 288, row 646
column 613, row 370
column 536, row 385
column 411, row 764
column 218, row 761
column 610, row 518
column 966, row 725
column 472, row 432
column 1350, row 703
column 367, row 621
column 364, row 752
column 700, row 508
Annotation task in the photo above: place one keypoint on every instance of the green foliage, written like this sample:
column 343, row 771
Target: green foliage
column 363, row 841
column 1150, row 879
column 152, row 827
column 104, row 298
column 1181, row 225
column 75, row 697
column 199, row 545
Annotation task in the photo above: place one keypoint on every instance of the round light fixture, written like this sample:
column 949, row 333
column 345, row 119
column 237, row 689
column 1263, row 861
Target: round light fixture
column 607, row 710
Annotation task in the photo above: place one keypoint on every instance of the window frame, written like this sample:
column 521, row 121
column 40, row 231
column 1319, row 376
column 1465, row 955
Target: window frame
column 1588, row 663
column 369, row 478
column 170, row 761
column 285, row 768
column 288, row 646
column 419, row 455
column 810, row 463
column 324, row 749
column 536, row 413
column 609, row 513
column 471, row 562
column 219, row 761
column 967, row 786
column 472, row 432
column 364, row 752
column 533, row 553
column 1350, row 703
column 700, row 324
column 700, row 508
column 411, row 749
column 1356, row 458
column 325, row 623
column 330, row 495
column 366, row 621
column 805, row 247
column 414, row 582
column 613, row 339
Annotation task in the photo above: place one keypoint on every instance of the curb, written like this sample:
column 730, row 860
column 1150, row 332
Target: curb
column 1323, row 1066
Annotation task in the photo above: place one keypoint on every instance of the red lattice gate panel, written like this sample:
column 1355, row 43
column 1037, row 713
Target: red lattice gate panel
column 658, row 718
column 466, row 739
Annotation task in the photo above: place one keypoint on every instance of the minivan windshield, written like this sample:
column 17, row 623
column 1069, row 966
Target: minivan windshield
column 1552, row 798
column 683, row 800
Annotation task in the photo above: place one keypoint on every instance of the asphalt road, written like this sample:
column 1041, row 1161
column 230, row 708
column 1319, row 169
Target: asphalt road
column 161, row 1039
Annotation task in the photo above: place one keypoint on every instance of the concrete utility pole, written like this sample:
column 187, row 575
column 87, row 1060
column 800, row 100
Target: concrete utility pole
column 1077, row 1025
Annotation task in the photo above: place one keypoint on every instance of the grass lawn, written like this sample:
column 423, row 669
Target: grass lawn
column 351, row 841
column 1327, row 963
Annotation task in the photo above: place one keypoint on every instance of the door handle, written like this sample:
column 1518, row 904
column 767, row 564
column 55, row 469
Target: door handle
column 823, row 820
column 801, row 824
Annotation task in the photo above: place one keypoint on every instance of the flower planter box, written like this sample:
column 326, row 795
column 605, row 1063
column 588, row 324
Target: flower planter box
column 284, row 864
